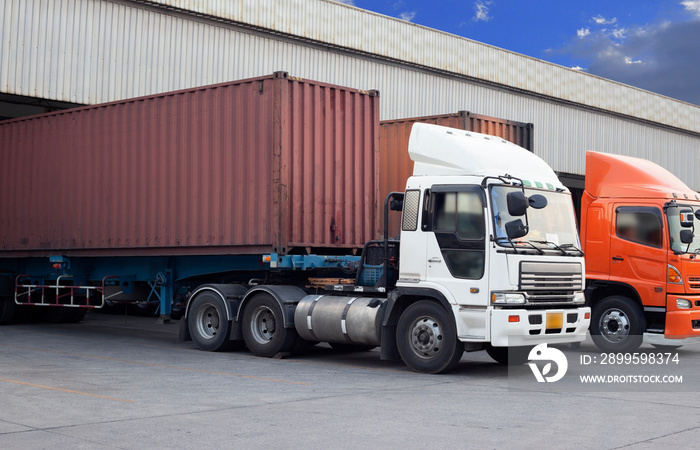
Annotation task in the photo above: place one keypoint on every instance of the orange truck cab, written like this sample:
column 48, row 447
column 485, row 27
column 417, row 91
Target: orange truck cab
column 640, row 231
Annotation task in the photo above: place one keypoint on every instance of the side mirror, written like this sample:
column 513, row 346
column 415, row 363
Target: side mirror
column 686, row 218
column 686, row 236
column 517, row 203
column 396, row 204
column 537, row 201
column 516, row 229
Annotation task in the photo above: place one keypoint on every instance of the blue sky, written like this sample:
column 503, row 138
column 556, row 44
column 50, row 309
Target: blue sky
column 651, row 44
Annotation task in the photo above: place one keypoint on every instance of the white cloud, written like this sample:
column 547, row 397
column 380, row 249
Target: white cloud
column 583, row 32
column 347, row 2
column 482, row 11
column 600, row 20
column 407, row 16
column 692, row 6
column 579, row 68
column 662, row 57
column 619, row 33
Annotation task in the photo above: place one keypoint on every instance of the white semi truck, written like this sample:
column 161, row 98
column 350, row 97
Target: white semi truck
column 488, row 259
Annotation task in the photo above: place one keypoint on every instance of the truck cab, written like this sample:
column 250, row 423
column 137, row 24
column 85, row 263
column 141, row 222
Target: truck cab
column 488, row 227
column 638, row 227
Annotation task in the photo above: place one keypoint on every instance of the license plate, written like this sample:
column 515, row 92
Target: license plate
column 555, row 321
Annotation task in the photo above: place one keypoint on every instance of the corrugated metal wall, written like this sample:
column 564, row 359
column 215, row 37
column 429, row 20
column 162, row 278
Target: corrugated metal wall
column 255, row 166
column 357, row 29
column 90, row 51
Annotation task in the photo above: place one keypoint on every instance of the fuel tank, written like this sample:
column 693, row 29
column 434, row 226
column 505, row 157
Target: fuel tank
column 350, row 320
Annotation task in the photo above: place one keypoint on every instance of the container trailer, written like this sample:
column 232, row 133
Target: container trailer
column 256, row 205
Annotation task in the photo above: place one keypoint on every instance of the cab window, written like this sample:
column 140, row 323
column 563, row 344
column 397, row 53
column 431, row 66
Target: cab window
column 642, row 225
column 459, row 226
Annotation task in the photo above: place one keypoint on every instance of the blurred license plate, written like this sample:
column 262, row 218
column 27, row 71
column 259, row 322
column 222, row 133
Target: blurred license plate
column 555, row 321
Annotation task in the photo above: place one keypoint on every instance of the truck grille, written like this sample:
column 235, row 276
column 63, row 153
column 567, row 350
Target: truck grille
column 550, row 282
column 694, row 282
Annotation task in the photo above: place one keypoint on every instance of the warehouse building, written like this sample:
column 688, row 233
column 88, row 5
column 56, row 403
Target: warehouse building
column 60, row 53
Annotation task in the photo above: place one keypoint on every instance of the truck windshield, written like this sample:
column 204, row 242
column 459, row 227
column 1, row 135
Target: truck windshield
column 674, row 229
column 550, row 227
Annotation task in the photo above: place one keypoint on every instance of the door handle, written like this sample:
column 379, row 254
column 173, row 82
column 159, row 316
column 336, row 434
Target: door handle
column 434, row 259
column 618, row 258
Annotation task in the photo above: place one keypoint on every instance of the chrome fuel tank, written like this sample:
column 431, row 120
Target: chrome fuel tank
column 351, row 320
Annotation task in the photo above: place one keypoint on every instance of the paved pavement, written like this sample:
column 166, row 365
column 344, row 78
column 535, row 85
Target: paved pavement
column 125, row 382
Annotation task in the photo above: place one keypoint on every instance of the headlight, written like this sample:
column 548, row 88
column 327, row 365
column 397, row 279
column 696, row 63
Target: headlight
column 507, row 298
column 682, row 303
column 579, row 298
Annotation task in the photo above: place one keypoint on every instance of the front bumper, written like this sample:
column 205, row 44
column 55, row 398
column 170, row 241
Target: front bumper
column 682, row 323
column 552, row 326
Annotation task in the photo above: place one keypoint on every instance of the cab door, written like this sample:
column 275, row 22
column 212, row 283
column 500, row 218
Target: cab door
column 638, row 252
column 456, row 242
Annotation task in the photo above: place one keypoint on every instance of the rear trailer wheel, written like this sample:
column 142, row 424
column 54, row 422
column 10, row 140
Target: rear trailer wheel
column 427, row 338
column 509, row 356
column 208, row 323
column 617, row 324
column 7, row 310
column 263, row 327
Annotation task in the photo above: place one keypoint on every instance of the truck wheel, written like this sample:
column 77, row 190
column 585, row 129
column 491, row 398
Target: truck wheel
column 427, row 338
column 7, row 310
column 617, row 324
column 263, row 327
column 208, row 324
column 513, row 356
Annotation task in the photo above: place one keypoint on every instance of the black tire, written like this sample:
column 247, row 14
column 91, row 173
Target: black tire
column 617, row 324
column 208, row 324
column 7, row 310
column 263, row 327
column 350, row 348
column 513, row 356
column 427, row 338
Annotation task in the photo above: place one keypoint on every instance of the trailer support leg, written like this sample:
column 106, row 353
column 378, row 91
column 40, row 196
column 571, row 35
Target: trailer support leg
column 166, row 296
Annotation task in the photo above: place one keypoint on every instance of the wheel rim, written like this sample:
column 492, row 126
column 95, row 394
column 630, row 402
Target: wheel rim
column 614, row 325
column 426, row 337
column 208, row 321
column 263, row 325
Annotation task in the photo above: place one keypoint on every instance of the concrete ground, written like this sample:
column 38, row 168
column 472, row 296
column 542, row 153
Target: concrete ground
column 125, row 382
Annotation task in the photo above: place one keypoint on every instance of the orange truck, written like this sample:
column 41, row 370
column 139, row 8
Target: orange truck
column 642, row 249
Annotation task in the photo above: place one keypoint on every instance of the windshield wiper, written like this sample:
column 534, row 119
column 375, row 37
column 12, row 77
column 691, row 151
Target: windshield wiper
column 539, row 250
column 572, row 247
column 563, row 252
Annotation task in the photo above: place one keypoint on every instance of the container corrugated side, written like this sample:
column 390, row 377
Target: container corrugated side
column 395, row 166
column 223, row 169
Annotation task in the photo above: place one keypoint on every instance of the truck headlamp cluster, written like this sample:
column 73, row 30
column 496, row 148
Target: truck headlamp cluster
column 507, row 298
column 579, row 298
column 682, row 303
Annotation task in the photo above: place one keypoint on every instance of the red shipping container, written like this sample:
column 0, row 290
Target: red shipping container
column 267, row 164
